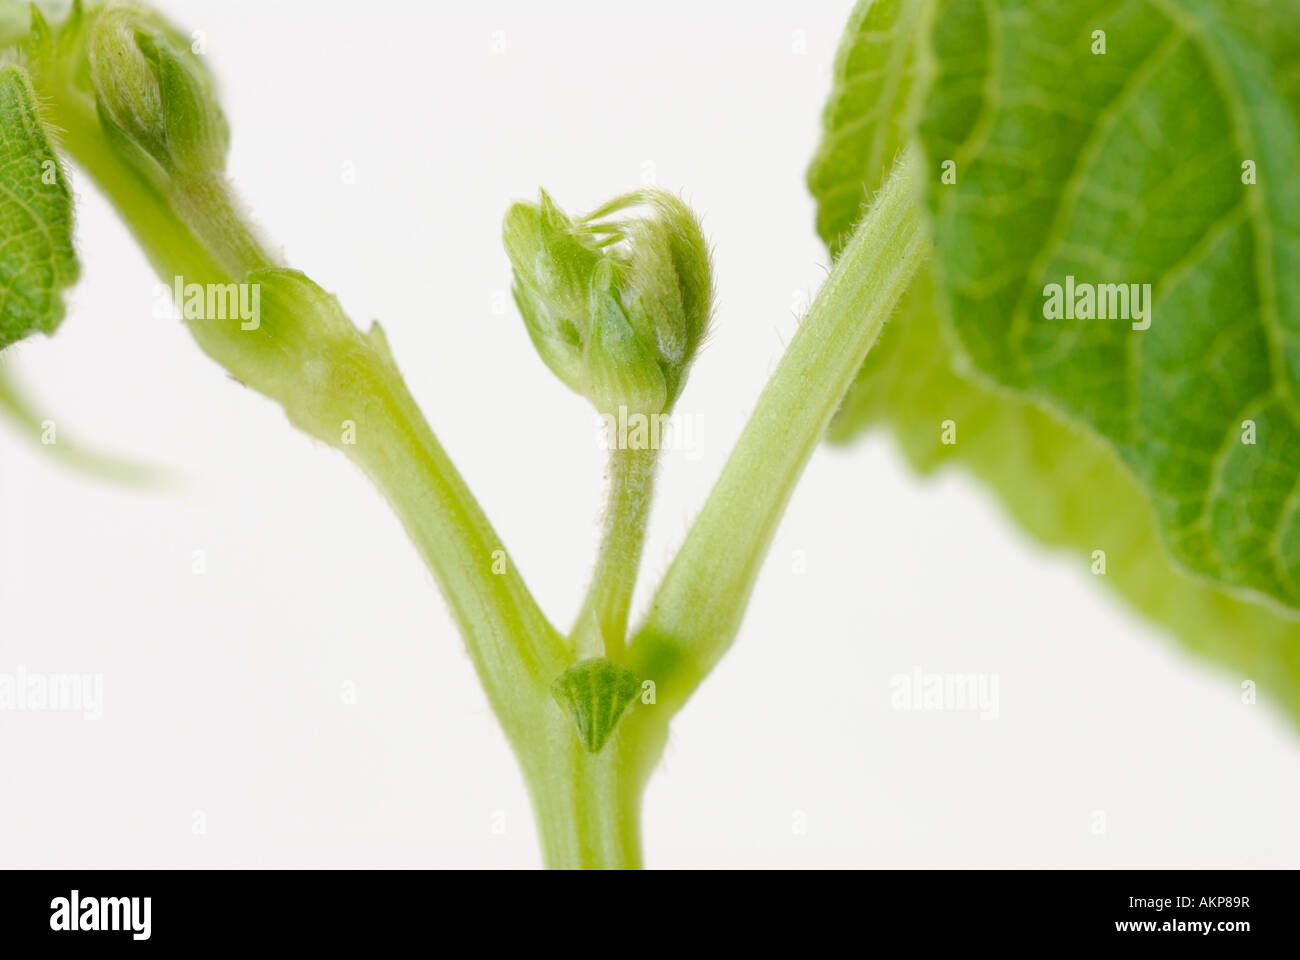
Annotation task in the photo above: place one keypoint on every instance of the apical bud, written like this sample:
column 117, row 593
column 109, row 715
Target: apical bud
column 153, row 92
column 616, row 303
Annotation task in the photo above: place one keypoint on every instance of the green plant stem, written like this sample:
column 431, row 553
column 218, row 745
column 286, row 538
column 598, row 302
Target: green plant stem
column 700, row 603
column 196, row 232
column 588, row 806
column 601, row 627
column 172, row 247
column 515, row 650
column 209, row 208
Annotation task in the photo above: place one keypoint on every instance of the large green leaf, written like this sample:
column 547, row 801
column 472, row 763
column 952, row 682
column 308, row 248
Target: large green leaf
column 36, row 257
column 880, row 79
column 1067, row 489
column 1127, row 168
column 1017, row 100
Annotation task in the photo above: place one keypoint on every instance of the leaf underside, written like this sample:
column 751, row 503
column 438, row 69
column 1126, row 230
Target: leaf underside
column 1122, row 167
column 37, row 260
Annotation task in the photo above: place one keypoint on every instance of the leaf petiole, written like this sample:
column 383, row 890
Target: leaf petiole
column 698, row 607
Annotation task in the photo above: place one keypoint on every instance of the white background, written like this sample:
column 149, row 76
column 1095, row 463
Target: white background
column 223, row 692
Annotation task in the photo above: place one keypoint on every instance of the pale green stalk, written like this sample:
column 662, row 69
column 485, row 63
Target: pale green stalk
column 700, row 603
column 601, row 628
column 514, row 647
column 325, row 373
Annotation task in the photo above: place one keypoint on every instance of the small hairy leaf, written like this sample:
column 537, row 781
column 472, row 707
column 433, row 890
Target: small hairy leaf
column 37, row 260
column 595, row 693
